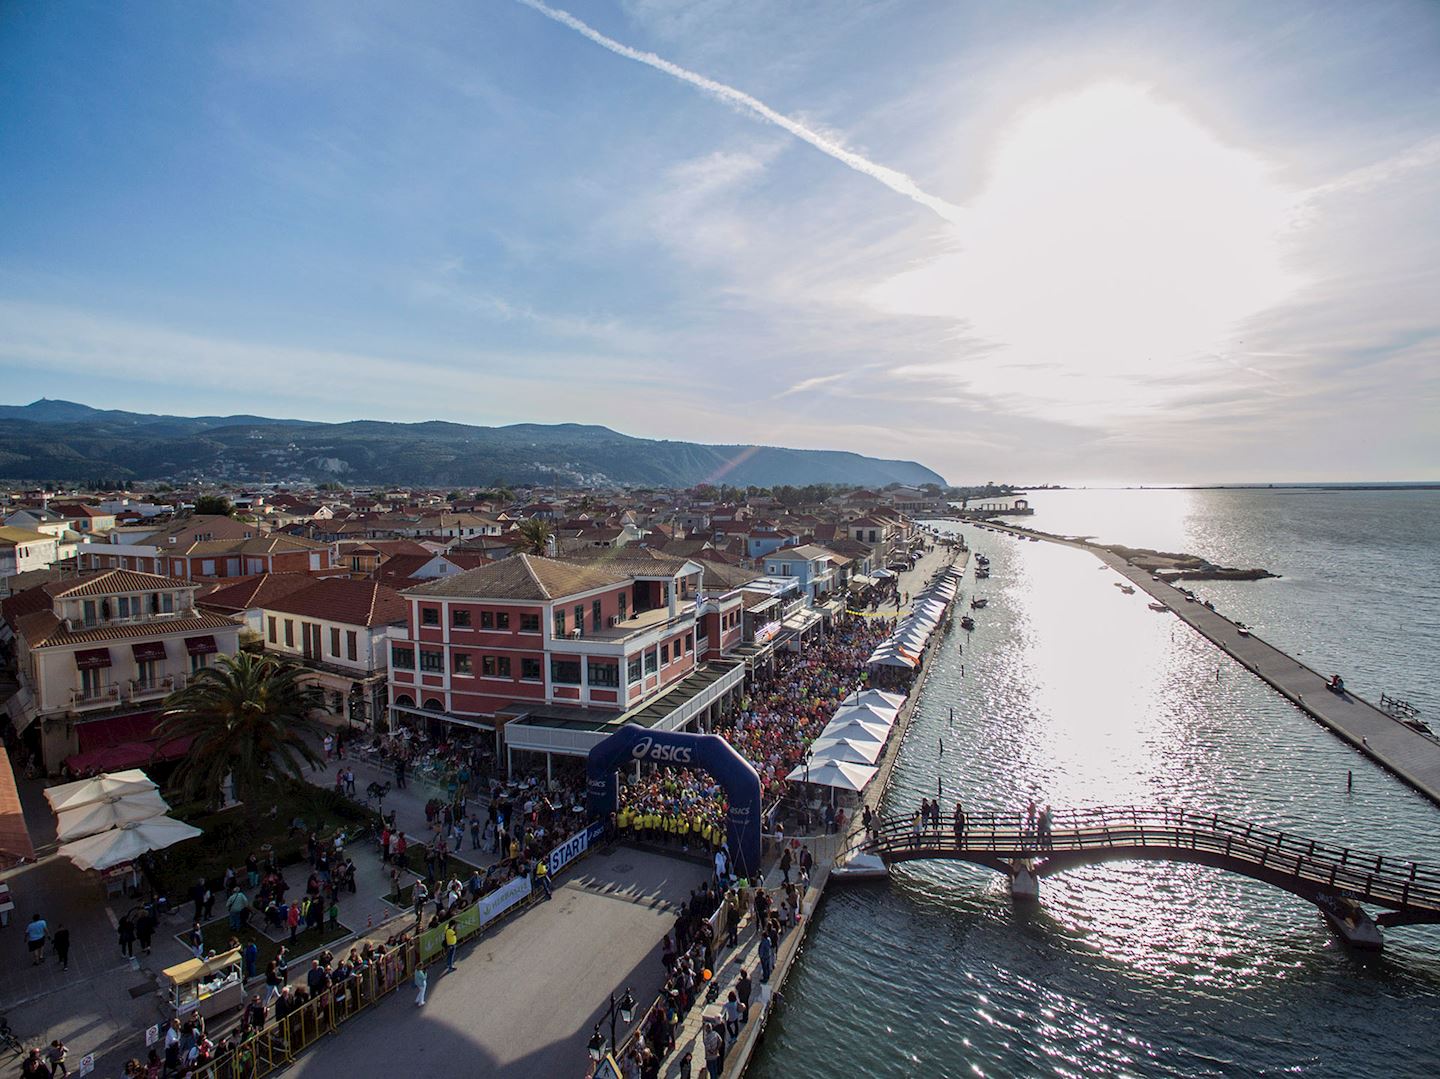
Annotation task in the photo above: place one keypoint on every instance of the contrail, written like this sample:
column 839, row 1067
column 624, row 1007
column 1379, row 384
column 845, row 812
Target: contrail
column 894, row 180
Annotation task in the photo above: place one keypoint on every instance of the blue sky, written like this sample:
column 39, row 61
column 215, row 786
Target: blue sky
column 1073, row 242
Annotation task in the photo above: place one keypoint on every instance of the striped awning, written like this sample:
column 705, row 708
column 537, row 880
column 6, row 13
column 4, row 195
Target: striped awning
column 145, row 651
column 92, row 659
column 200, row 646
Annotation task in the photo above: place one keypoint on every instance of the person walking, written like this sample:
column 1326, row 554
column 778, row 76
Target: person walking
column 125, row 930
column 542, row 874
column 785, row 862
column 145, row 929
column 35, row 934
column 767, row 957
column 474, row 833
column 421, row 984
column 452, row 945
column 959, row 822
column 56, row 1055
column 714, row 1045
column 61, row 940
column 236, row 905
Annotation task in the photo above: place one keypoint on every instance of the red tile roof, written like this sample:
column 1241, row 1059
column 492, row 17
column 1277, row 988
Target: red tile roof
column 258, row 591
column 339, row 599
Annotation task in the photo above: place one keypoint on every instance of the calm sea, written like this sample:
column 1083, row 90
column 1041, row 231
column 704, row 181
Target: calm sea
column 1071, row 693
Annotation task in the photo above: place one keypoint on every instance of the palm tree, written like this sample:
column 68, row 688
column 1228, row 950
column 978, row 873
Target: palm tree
column 535, row 534
column 247, row 717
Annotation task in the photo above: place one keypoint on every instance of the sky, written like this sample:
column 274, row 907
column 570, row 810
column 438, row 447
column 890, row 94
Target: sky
column 1052, row 242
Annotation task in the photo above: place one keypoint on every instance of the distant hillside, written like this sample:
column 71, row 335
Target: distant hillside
column 61, row 440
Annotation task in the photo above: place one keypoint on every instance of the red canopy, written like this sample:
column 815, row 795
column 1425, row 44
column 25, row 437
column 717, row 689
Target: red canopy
column 126, row 755
column 89, row 659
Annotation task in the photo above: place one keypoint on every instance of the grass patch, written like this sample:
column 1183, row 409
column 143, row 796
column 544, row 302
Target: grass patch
column 218, row 934
column 229, row 836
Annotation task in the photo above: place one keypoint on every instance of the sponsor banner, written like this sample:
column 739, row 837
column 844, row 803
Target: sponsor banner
column 657, row 751
column 578, row 843
column 501, row 899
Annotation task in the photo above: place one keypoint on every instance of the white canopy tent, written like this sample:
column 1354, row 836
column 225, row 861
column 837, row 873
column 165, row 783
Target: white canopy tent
column 97, row 789
column 114, row 809
column 837, row 774
column 127, row 842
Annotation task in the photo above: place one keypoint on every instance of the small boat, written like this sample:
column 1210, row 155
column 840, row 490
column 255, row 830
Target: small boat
column 982, row 574
column 978, row 602
column 967, row 623
column 1158, row 607
column 1417, row 725
column 1242, row 629
column 1128, row 589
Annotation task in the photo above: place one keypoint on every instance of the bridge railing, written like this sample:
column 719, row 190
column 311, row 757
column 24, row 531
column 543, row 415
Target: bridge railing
column 1392, row 881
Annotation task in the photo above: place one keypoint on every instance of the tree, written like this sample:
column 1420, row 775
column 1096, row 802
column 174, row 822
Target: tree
column 216, row 505
column 247, row 717
column 535, row 534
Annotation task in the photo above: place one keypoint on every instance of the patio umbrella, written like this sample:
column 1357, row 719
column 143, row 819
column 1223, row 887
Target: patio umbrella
column 865, row 714
column 844, row 749
column 856, row 730
column 127, row 842
column 877, row 699
column 845, row 777
column 97, row 788
column 114, row 809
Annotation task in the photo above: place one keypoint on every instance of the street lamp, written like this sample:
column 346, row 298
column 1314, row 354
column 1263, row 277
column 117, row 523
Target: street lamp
column 624, row 1010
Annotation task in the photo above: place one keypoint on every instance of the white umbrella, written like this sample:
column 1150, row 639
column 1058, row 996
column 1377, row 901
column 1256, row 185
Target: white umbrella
column 845, row 777
column 864, row 713
column 856, row 731
column 877, row 699
column 97, row 788
column 127, row 842
column 845, row 749
column 115, row 809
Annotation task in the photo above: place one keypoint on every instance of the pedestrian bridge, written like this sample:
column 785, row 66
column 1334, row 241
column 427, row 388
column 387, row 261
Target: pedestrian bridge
column 1337, row 880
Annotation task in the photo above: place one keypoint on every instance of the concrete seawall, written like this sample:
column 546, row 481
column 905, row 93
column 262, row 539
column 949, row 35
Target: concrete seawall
column 1409, row 755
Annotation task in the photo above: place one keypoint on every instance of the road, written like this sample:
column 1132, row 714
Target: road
column 525, row 997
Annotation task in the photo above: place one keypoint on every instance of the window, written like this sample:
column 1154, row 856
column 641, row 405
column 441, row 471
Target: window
column 351, row 644
column 530, row 670
column 624, row 604
column 461, row 662
column 529, row 623
column 559, row 623
column 167, row 603
column 145, row 671
column 487, row 619
column 335, row 641
column 429, row 616
column 403, row 658
column 92, row 683
column 597, row 617
column 199, row 663
column 123, row 606
column 632, row 669
column 650, row 665
column 604, row 674
column 502, row 619
column 565, row 672
column 495, row 666
column 273, row 638
column 689, row 642
column 432, row 661
column 90, row 613
column 462, row 618
column 579, row 618
column 664, row 654
column 289, row 633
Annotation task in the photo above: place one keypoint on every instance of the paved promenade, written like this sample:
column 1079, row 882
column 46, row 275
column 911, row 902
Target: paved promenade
column 1381, row 737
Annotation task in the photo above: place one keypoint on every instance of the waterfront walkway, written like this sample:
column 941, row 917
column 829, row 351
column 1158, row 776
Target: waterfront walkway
column 1410, row 755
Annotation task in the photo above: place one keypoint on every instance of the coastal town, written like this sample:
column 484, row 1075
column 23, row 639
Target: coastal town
column 455, row 659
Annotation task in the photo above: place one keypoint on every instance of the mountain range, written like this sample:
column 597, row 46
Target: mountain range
column 63, row 441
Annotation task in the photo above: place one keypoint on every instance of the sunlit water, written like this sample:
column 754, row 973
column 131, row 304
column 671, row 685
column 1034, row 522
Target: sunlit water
column 1075, row 694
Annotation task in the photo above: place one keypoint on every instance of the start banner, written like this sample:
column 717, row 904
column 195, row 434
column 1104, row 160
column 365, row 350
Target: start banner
column 573, row 847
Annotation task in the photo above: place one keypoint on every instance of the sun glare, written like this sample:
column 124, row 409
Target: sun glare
column 1116, row 243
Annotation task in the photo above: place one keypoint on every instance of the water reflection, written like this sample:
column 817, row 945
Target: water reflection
column 1075, row 694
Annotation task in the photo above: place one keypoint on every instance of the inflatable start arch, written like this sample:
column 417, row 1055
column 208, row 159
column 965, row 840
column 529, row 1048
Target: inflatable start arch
column 676, row 749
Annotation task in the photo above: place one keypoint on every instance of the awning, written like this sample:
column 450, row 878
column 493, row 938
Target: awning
column 145, row 651
column 91, row 659
column 200, row 646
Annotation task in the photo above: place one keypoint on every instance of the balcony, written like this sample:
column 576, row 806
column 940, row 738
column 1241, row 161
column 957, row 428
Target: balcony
column 655, row 621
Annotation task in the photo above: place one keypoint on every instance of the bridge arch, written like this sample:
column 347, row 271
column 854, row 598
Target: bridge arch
column 633, row 743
